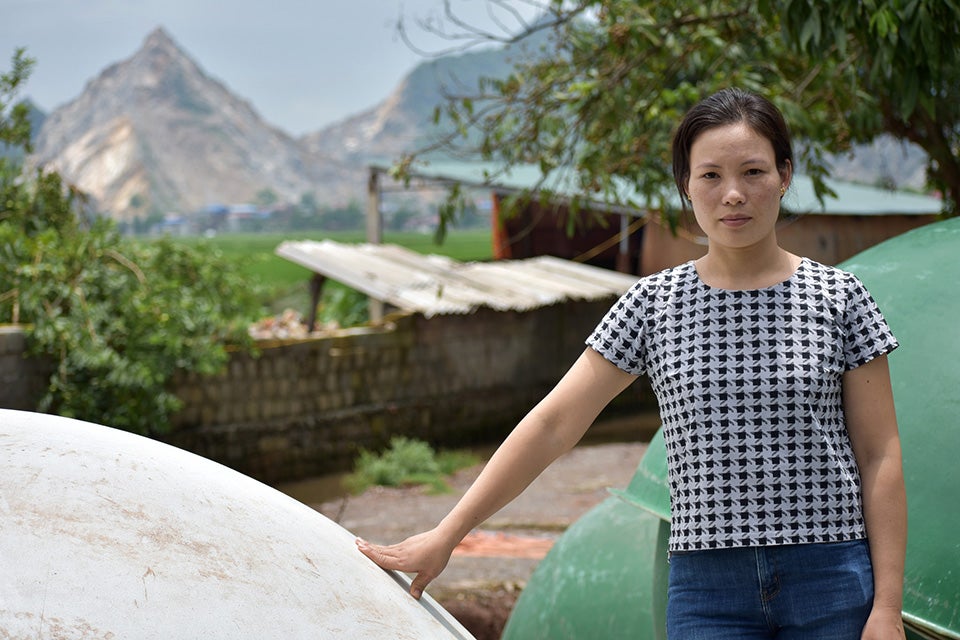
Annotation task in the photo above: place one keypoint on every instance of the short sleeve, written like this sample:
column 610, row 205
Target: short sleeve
column 866, row 334
column 620, row 335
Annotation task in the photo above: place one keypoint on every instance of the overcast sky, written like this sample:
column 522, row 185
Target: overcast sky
column 303, row 64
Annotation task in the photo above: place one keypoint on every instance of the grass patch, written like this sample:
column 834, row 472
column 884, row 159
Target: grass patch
column 408, row 462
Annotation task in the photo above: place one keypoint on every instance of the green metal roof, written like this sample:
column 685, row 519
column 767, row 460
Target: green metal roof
column 858, row 200
column 851, row 199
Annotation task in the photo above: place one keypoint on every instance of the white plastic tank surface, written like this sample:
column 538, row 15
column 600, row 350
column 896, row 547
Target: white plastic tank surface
column 105, row 534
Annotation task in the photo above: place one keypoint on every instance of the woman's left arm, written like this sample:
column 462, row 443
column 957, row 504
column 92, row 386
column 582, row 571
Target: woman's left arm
column 872, row 425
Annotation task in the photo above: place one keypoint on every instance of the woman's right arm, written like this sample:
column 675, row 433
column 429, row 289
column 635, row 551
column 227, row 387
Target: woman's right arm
column 551, row 429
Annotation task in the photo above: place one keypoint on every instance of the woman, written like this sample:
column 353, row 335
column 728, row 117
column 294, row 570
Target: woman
column 771, row 375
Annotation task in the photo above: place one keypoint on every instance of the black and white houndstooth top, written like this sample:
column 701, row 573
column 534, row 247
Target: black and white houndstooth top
column 749, row 388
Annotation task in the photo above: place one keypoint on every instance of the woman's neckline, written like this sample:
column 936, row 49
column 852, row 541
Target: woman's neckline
column 775, row 285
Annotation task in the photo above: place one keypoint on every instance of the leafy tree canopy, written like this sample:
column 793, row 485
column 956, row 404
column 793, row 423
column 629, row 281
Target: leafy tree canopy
column 15, row 117
column 115, row 319
column 603, row 98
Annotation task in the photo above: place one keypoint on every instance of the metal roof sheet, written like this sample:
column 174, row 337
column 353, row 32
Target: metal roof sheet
column 857, row 200
column 851, row 199
column 432, row 285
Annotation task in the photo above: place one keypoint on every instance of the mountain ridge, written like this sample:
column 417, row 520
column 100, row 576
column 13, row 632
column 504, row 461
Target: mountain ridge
column 403, row 121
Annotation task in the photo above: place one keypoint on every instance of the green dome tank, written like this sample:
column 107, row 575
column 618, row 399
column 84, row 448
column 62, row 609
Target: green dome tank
column 606, row 576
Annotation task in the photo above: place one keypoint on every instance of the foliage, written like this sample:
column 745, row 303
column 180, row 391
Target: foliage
column 116, row 319
column 266, row 198
column 407, row 462
column 603, row 99
column 901, row 58
column 342, row 305
column 15, row 118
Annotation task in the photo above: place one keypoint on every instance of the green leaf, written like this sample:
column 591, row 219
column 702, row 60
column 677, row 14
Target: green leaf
column 810, row 32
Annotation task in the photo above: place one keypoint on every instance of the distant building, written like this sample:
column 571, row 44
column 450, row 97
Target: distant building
column 636, row 240
column 173, row 224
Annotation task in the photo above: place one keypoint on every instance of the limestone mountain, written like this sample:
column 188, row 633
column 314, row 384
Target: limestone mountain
column 156, row 133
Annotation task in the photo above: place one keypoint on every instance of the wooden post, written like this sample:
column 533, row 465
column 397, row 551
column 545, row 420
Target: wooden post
column 374, row 219
column 502, row 250
column 623, row 251
column 316, row 288
column 374, row 232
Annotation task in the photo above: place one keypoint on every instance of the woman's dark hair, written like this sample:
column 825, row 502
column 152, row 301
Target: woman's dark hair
column 729, row 106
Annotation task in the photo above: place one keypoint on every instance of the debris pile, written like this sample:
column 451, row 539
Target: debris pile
column 288, row 325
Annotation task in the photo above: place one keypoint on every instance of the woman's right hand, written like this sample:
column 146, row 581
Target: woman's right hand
column 425, row 554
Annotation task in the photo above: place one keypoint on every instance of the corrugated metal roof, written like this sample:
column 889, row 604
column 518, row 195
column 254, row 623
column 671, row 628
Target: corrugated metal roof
column 433, row 285
column 857, row 200
column 851, row 199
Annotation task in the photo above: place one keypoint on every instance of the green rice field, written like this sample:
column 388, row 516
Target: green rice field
column 285, row 284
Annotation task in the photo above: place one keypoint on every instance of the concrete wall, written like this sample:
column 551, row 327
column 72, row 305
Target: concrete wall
column 306, row 408
column 833, row 239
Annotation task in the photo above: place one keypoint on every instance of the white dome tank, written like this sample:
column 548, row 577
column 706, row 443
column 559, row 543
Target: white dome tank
column 109, row 535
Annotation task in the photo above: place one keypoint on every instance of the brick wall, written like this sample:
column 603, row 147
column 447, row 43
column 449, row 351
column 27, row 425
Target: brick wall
column 305, row 408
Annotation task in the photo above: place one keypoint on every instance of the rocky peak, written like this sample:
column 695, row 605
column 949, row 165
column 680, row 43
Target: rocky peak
column 159, row 39
column 162, row 71
column 160, row 46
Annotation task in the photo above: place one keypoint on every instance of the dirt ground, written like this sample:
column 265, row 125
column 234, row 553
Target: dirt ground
column 490, row 569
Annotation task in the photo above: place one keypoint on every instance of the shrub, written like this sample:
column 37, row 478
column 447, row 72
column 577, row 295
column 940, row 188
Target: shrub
column 118, row 319
column 407, row 462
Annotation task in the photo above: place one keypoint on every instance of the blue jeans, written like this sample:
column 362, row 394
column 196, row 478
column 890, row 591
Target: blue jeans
column 791, row 592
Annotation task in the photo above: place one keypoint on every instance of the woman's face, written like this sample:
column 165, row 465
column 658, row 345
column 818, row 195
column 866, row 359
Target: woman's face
column 734, row 185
